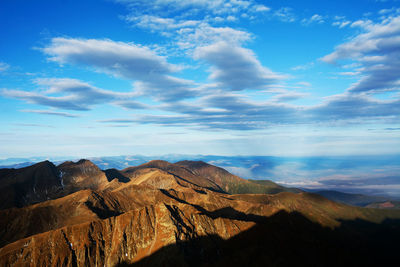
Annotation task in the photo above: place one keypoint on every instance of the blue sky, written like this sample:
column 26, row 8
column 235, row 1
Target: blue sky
column 223, row 77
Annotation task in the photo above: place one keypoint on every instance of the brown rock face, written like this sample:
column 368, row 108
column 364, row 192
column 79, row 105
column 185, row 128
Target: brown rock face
column 81, row 175
column 171, row 215
column 181, row 173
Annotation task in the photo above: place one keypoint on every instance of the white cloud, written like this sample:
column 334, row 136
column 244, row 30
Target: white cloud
column 377, row 50
column 261, row 8
column 288, row 96
column 206, row 35
column 354, row 106
column 235, row 68
column 285, row 14
column 192, row 8
column 349, row 73
column 191, row 33
column 313, row 19
column 68, row 94
column 305, row 84
column 304, row 67
column 161, row 24
column 361, row 23
column 340, row 21
column 123, row 59
column 223, row 110
column 386, row 11
column 341, row 24
column 4, row 66
column 65, row 102
column 50, row 112
column 149, row 71
column 231, row 18
column 302, row 184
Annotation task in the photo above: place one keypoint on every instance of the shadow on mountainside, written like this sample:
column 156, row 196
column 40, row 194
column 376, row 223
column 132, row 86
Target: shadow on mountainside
column 287, row 239
column 115, row 174
column 227, row 212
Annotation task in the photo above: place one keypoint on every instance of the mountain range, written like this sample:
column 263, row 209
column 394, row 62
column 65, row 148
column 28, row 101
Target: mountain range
column 354, row 185
column 188, row 213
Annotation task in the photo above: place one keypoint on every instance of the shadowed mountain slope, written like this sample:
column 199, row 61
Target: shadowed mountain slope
column 287, row 239
column 25, row 186
column 44, row 181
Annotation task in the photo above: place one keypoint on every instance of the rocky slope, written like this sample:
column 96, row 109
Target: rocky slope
column 181, row 173
column 163, row 214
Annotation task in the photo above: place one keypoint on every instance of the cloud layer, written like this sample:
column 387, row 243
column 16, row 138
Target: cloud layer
column 240, row 93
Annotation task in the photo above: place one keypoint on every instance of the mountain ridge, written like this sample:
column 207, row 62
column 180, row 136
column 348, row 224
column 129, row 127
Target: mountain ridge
column 176, row 214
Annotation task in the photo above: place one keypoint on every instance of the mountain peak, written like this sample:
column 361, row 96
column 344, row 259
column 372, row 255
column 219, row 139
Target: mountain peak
column 28, row 185
column 80, row 163
column 45, row 163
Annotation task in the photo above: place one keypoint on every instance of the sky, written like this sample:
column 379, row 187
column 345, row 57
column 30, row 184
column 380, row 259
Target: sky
column 218, row 77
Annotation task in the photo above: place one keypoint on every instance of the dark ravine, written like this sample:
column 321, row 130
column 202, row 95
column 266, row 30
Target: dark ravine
column 183, row 214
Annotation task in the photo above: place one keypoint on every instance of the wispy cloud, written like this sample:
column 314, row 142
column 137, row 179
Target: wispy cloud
column 207, row 35
column 304, row 67
column 318, row 19
column 65, row 102
column 392, row 129
column 4, row 66
column 349, row 73
column 340, row 21
column 352, row 107
column 237, row 112
column 289, row 96
column 149, row 71
column 377, row 49
column 190, row 33
column 33, row 125
column 49, row 112
column 261, row 8
column 68, row 94
column 195, row 23
column 285, row 14
column 196, row 7
column 156, row 23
